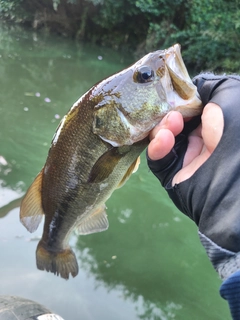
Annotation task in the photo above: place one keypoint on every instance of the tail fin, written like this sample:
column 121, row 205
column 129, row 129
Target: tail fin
column 60, row 263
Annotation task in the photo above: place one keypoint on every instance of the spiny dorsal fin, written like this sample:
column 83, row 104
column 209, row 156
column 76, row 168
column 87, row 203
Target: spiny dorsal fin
column 132, row 169
column 96, row 222
column 31, row 211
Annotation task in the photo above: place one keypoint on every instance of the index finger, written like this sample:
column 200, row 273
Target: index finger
column 173, row 121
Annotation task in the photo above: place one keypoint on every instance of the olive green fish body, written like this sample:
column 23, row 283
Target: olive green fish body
column 79, row 175
column 96, row 148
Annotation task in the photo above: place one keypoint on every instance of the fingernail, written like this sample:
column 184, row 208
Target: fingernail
column 164, row 122
column 167, row 116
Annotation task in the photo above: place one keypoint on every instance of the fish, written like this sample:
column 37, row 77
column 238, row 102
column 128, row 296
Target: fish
column 96, row 148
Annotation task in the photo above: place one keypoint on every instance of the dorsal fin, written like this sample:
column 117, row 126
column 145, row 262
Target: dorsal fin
column 95, row 222
column 31, row 211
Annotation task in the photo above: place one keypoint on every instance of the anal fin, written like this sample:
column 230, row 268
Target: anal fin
column 97, row 221
column 31, row 211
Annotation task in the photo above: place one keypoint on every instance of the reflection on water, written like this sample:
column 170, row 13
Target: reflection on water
column 149, row 264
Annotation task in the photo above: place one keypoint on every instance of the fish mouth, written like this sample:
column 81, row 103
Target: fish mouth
column 181, row 80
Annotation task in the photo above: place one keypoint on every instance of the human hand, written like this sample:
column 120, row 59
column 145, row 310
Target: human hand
column 199, row 167
column 201, row 142
column 190, row 158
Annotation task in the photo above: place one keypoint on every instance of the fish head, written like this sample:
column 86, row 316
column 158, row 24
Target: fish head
column 130, row 103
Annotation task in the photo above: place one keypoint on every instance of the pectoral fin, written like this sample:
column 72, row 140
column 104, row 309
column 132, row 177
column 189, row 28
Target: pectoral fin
column 31, row 211
column 132, row 169
column 96, row 222
column 104, row 166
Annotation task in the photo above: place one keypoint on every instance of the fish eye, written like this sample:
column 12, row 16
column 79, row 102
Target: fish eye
column 143, row 75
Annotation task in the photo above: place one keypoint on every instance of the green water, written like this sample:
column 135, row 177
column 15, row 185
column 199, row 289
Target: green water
column 149, row 264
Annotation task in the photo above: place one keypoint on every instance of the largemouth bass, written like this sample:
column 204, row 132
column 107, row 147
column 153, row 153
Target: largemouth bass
column 96, row 148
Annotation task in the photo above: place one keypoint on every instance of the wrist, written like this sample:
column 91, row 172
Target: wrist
column 224, row 261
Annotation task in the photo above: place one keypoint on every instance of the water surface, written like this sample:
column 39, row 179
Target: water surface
column 149, row 264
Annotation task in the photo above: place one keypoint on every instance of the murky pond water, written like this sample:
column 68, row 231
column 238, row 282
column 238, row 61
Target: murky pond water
column 149, row 264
